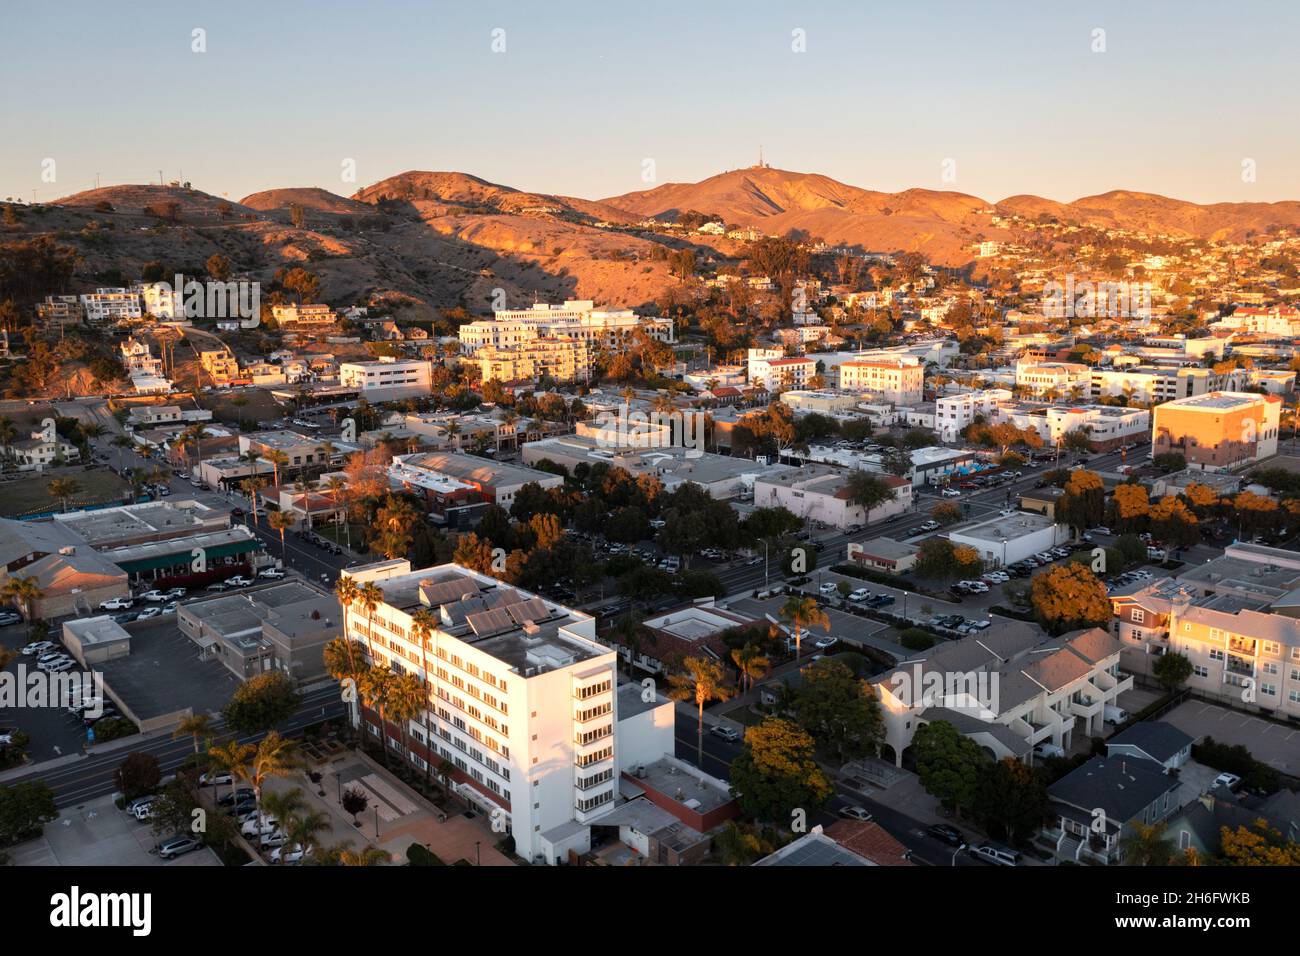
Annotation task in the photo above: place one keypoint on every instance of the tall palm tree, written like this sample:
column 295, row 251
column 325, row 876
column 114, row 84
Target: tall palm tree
column 195, row 726
column 377, row 685
column 369, row 596
column 701, row 681
column 453, row 432
column 274, row 756
column 281, row 521
column 424, row 624
column 803, row 612
column 24, row 593
column 303, row 830
column 338, row 486
column 191, row 439
column 278, row 460
column 233, row 757
column 407, row 700
column 751, row 664
column 251, row 486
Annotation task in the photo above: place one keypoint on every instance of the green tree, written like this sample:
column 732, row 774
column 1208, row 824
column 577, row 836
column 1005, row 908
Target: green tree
column 776, row 772
column 700, row 681
column 261, row 702
column 1083, row 505
column 1172, row 670
column 839, row 710
column 948, row 764
column 1010, row 800
column 25, row 808
column 803, row 612
column 1145, row 844
column 138, row 774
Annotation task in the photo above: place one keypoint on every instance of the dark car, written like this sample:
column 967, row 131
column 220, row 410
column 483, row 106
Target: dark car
column 242, row 793
column 948, row 834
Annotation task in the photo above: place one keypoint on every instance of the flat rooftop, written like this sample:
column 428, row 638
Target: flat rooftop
column 472, row 468
column 96, row 630
column 682, row 782
column 1216, row 401
column 995, row 530
column 525, row 632
column 105, row 526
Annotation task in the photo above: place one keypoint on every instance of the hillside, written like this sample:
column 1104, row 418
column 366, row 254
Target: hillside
column 310, row 199
column 193, row 205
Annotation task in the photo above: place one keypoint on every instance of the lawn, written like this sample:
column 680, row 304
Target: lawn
column 28, row 493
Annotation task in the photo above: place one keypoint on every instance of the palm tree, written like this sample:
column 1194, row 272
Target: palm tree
column 278, row 459
column 344, row 664
column 272, row 757
column 407, row 700
column 803, row 612
column 751, row 664
column 24, row 593
column 303, row 830
column 122, row 443
column 702, row 681
column 376, row 689
column 453, row 432
column 63, row 489
column 370, row 596
column 195, row 726
column 304, row 487
column 281, row 521
column 251, row 486
column 424, row 624
column 337, row 486
column 234, row 758
column 366, row 856
column 191, row 439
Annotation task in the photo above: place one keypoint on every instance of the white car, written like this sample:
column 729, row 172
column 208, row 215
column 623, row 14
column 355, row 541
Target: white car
column 270, row 574
column 828, row 588
column 854, row 812
column 1228, row 781
column 171, row 607
column 39, row 647
column 268, row 826
column 58, row 667
column 116, row 604
column 823, row 643
column 951, row 493
column 290, row 855
column 239, row 581
column 153, row 596
column 219, row 778
column 150, row 612
column 861, row 594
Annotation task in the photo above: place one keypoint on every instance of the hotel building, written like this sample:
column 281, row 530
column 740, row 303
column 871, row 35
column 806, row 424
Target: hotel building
column 898, row 382
column 1219, row 431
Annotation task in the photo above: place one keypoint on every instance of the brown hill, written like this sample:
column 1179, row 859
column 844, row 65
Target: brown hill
column 311, row 199
column 194, row 205
column 1148, row 212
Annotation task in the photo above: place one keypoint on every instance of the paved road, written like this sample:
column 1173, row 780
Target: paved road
column 92, row 776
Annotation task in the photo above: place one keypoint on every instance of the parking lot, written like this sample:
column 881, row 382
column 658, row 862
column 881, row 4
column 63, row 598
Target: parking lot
column 1277, row 745
column 97, row 833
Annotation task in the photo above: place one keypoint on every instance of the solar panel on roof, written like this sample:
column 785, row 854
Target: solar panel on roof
column 487, row 623
column 449, row 591
column 534, row 609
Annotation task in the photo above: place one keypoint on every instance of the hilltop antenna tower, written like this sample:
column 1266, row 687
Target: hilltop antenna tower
column 760, row 155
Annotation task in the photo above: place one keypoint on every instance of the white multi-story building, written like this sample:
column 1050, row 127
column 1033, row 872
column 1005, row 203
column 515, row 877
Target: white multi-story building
column 388, row 377
column 1279, row 321
column 1153, row 385
column 770, row 369
column 138, row 358
column 575, row 319
column 1039, row 378
column 820, row 493
column 161, row 300
column 952, row 413
column 522, row 699
column 899, row 381
column 111, row 305
column 303, row 316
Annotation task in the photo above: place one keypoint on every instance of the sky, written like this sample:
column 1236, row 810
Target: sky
column 573, row 98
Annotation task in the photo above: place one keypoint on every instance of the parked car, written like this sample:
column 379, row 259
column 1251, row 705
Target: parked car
column 38, row 648
column 854, row 812
column 139, row 802
column 153, row 596
column 144, row 811
column 290, row 855
column 946, row 833
column 828, row 588
column 150, row 612
column 997, row 855
column 116, row 604
column 270, row 574
column 171, row 607
column 177, row 845
column 1114, row 715
column 239, row 581
column 252, row 827
column 950, row 493
column 235, row 796
column 1228, row 781
column 861, row 594
column 175, row 592
column 10, row 617
column 1046, row 749
column 218, row 586
column 824, row 643
column 729, row 734
column 216, row 779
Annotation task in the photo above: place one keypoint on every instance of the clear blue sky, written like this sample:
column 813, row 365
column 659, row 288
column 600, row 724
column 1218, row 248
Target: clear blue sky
column 584, row 92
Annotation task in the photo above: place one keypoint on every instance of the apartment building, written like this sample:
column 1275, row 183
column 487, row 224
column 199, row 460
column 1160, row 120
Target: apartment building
column 300, row 451
column 561, row 359
column 576, row 319
column 522, row 699
column 59, row 311
column 1055, row 378
column 1008, row 689
column 161, row 301
column 138, row 357
column 223, row 368
column 952, row 413
column 1218, row 431
column 1108, row 426
column 388, row 378
column 110, row 305
column 1278, row 321
column 770, row 369
column 899, row 382
column 1152, row 385
column 1242, row 652
column 303, row 317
